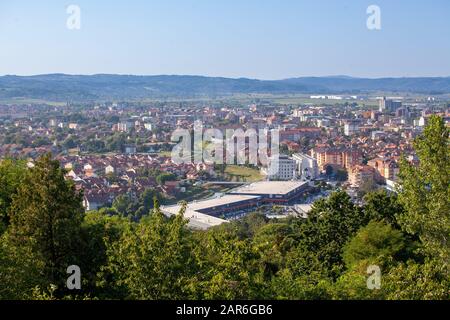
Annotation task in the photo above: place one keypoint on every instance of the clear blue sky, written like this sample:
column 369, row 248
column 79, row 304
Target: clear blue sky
column 265, row 39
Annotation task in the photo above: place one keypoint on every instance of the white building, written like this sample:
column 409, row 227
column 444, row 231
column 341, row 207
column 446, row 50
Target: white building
column 306, row 167
column 422, row 122
column 109, row 169
column 281, row 168
column 351, row 128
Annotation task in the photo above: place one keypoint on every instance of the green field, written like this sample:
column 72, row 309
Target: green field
column 20, row 101
column 244, row 174
column 165, row 153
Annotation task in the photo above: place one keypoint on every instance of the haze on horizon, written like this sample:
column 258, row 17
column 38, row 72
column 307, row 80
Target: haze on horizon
column 258, row 39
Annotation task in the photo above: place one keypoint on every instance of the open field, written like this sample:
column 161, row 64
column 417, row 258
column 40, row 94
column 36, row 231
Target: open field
column 21, row 101
column 242, row 173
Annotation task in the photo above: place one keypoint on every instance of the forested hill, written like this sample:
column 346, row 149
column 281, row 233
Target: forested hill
column 61, row 87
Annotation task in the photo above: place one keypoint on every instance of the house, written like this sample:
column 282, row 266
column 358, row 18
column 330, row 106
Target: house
column 95, row 199
column 109, row 169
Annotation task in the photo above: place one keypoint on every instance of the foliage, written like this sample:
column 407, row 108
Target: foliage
column 425, row 191
column 46, row 217
column 377, row 242
column 330, row 224
column 12, row 174
column 151, row 259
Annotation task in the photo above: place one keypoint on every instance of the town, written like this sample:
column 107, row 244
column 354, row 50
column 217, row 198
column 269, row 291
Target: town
column 120, row 153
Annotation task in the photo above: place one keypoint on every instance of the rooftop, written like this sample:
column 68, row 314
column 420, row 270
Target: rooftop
column 202, row 221
column 210, row 203
column 197, row 220
column 269, row 187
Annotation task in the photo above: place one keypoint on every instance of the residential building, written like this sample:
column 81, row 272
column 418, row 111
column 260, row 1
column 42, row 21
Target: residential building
column 306, row 166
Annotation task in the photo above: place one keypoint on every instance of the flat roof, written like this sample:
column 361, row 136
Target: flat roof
column 203, row 221
column 197, row 220
column 210, row 203
column 269, row 187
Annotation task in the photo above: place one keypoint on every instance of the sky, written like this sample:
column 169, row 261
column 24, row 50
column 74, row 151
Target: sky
column 262, row 39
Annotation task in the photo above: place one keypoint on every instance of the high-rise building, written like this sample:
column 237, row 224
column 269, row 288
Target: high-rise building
column 388, row 105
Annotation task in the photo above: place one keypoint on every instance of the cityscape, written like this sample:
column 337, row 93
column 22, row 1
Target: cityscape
column 119, row 150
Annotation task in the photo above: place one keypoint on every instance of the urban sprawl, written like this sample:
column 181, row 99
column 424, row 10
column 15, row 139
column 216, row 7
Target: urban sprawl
column 120, row 154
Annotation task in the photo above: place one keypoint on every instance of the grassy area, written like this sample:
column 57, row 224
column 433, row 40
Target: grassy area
column 31, row 101
column 165, row 153
column 244, row 174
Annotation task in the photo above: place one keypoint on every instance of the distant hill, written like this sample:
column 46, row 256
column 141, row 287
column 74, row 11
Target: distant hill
column 62, row 87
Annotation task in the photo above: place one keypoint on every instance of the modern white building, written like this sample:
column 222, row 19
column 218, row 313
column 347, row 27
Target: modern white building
column 281, row 168
column 306, row 167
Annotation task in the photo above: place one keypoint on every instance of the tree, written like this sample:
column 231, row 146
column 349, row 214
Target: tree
column 46, row 215
column 341, row 175
column 20, row 271
column 417, row 281
column 99, row 230
column 230, row 268
column 70, row 143
column 381, row 206
column 366, row 187
column 124, row 204
column 425, row 191
column 330, row 224
column 352, row 285
column 12, row 174
column 163, row 177
column 146, row 202
column 152, row 259
column 329, row 170
column 377, row 243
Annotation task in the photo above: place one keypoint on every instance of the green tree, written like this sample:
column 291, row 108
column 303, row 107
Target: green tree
column 20, row 271
column 124, row 205
column 381, row 206
column 99, row 230
column 341, row 175
column 425, row 191
column 229, row 268
column 46, row 215
column 330, row 224
column 417, row 281
column 146, row 201
column 12, row 174
column 163, row 177
column 377, row 242
column 152, row 258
